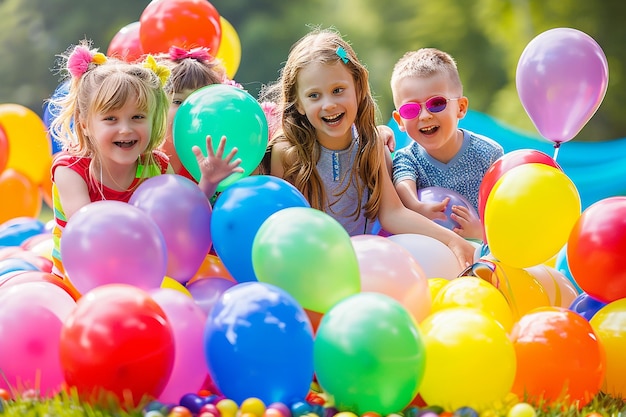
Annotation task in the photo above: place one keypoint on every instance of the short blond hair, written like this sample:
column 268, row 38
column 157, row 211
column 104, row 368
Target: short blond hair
column 426, row 62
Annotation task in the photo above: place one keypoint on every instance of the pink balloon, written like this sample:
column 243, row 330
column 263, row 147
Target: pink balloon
column 109, row 242
column 126, row 44
column 29, row 352
column 388, row 268
column 562, row 77
column 41, row 294
column 187, row 321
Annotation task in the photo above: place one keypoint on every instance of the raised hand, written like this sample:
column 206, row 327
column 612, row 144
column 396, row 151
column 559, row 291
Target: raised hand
column 215, row 167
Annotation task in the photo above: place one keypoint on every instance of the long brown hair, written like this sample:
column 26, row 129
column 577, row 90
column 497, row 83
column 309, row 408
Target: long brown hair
column 303, row 151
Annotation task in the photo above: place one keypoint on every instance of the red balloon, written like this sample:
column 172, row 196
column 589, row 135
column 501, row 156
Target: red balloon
column 126, row 44
column 183, row 23
column 117, row 341
column 503, row 165
column 596, row 247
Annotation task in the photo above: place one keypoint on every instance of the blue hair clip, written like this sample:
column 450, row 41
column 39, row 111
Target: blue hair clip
column 342, row 54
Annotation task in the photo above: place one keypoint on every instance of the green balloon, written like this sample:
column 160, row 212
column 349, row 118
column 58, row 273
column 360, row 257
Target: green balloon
column 309, row 254
column 221, row 110
column 369, row 354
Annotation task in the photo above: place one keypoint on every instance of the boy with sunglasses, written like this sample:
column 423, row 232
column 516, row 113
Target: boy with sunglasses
column 428, row 96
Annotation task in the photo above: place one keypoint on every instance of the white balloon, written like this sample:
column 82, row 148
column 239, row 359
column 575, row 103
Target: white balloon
column 436, row 259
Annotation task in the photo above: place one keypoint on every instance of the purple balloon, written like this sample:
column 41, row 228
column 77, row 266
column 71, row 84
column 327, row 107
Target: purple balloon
column 109, row 242
column 183, row 214
column 562, row 77
column 206, row 291
column 437, row 195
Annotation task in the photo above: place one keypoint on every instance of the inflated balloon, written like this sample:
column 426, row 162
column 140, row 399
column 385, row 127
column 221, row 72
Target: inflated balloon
column 126, row 44
column 258, row 342
column 183, row 23
column 561, row 265
column 474, row 292
column 221, row 110
column 309, row 254
column 560, row 290
column 172, row 284
column 559, row 358
column 183, row 214
column 586, row 306
column 369, row 354
column 436, row 259
column 39, row 276
column 4, row 149
column 437, row 195
column 522, row 290
column 562, row 77
column 17, row 230
column 387, row 268
column 239, row 212
column 19, row 195
column 29, row 145
column 108, row 242
column 187, row 321
column 207, row 291
column 451, row 337
column 595, row 250
column 229, row 52
column 505, row 163
column 609, row 324
column 529, row 214
column 212, row 266
column 29, row 352
column 117, row 340
column 51, row 111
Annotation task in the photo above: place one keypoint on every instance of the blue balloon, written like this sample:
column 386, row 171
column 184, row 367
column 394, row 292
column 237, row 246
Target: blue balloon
column 258, row 342
column 14, row 265
column 15, row 231
column 562, row 266
column 51, row 111
column 238, row 214
column 586, row 306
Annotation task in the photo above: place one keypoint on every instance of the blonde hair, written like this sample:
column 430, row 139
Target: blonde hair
column 424, row 63
column 303, row 151
column 105, row 86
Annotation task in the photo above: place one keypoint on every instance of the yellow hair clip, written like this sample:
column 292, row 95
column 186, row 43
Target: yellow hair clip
column 99, row 58
column 161, row 71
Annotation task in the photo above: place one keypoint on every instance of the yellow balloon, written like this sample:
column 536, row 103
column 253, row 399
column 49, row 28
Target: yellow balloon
column 172, row 284
column 30, row 150
column 522, row 290
column 474, row 292
column 229, row 51
column 530, row 213
column 470, row 360
column 609, row 324
column 435, row 285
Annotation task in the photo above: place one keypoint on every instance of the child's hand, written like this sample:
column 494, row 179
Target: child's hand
column 471, row 227
column 434, row 211
column 215, row 167
column 387, row 136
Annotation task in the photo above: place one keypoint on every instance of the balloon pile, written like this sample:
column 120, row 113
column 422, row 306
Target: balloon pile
column 234, row 310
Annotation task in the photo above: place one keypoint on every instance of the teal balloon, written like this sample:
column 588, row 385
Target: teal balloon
column 309, row 254
column 369, row 354
column 221, row 110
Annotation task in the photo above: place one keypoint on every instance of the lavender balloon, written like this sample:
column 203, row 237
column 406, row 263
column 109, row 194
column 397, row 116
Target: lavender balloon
column 183, row 214
column 109, row 242
column 437, row 195
column 562, row 77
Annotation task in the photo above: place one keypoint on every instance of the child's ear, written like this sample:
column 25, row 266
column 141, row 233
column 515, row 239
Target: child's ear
column 463, row 107
column 398, row 119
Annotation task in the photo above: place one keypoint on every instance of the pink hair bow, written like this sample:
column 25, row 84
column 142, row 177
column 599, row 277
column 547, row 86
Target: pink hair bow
column 199, row 54
column 80, row 58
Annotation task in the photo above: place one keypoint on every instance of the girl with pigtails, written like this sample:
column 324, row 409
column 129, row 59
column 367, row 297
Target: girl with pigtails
column 111, row 124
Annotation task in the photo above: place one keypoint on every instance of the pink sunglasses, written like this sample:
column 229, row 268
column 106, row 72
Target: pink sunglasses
column 433, row 105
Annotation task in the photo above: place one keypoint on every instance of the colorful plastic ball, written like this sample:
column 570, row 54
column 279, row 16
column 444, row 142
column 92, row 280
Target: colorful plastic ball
column 227, row 407
column 253, row 406
column 522, row 410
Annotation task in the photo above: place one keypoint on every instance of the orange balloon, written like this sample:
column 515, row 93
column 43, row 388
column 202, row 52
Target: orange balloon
column 29, row 144
column 560, row 360
column 46, row 187
column 4, row 149
column 19, row 196
column 211, row 266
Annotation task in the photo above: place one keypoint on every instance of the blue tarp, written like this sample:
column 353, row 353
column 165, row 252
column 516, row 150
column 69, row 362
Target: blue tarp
column 598, row 169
